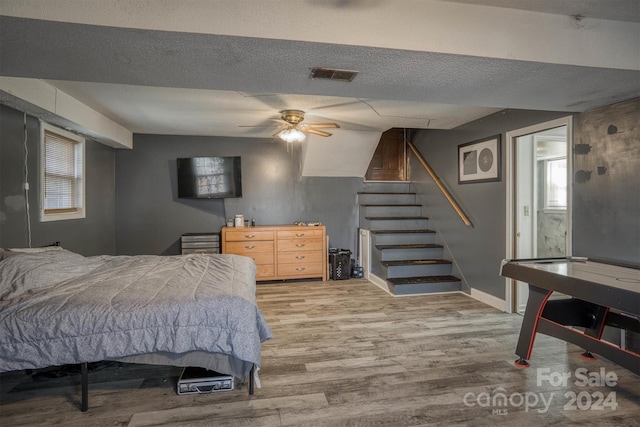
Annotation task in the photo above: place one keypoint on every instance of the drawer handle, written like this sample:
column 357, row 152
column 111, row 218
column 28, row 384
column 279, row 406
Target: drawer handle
column 249, row 236
column 299, row 234
column 300, row 269
column 300, row 257
column 300, row 245
column 249, row 247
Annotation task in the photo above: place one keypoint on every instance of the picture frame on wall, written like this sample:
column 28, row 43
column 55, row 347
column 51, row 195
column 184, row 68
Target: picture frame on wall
column 479, row 161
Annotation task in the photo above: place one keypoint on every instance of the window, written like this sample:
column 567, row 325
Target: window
column 62, row 175
column 555, row 190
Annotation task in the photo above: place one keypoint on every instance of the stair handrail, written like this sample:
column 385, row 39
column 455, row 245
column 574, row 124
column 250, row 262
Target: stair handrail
column 439, row 183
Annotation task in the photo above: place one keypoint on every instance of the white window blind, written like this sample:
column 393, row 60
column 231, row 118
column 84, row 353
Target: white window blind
column 62, row 186
column 555, row 195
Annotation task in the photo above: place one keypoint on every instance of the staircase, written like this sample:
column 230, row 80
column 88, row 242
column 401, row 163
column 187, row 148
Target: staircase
column 404, row 252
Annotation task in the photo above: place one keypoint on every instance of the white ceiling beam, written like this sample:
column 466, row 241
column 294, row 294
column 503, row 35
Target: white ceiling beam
column 421, row 25
column 50, row 104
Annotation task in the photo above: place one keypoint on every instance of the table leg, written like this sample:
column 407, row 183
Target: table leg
column 538, row 297
column 596, row 329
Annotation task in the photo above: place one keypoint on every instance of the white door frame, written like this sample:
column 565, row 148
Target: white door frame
column 510, row 181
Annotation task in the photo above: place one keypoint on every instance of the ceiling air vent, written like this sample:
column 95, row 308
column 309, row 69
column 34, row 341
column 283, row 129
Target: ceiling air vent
column 332, row 74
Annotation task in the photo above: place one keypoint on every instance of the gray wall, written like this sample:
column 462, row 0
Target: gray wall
column 606, row 197
column 92, row 235
column 132, row 206
column 476, row 250
column 151, row 218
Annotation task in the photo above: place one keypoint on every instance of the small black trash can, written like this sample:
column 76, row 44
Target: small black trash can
column 339, row 264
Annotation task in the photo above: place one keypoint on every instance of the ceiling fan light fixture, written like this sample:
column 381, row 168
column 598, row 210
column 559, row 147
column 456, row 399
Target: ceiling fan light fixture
column 293, row 117
column 292, row 135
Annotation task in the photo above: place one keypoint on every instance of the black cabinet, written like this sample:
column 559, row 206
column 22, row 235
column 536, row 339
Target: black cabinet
column 200, row 243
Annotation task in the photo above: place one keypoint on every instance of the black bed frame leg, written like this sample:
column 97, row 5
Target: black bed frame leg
column 251, row 380
column 84, row 371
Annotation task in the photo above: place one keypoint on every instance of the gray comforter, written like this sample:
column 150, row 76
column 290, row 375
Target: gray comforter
column 58, row 307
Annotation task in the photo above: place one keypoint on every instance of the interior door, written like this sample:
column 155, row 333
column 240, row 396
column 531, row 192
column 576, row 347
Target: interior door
column 389, row 162
column 541, row 199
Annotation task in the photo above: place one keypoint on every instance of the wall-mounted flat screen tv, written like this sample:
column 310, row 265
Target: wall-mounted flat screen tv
column 209, row 177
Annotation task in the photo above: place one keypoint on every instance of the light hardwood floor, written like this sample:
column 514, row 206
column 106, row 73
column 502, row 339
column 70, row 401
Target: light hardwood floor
column 345, row 353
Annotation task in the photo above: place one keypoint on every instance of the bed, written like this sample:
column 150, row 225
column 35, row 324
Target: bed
column 58, row 307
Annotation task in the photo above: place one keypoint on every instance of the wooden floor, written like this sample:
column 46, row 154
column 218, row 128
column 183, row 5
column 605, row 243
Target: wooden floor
column 345, row 353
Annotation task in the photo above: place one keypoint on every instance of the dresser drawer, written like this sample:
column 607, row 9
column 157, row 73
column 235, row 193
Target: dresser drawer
column 249, row 247
column 300, row 244
column 260, row 258
column 301, row 233
column 248, row 235
column 264, row 271
column 300, row 270
column 300, row 257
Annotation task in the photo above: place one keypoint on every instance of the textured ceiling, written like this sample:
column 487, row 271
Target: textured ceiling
column 617, row 10
column 212, row 68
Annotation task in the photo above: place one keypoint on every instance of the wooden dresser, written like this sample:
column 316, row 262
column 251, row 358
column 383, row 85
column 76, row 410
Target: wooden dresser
column 280, row 251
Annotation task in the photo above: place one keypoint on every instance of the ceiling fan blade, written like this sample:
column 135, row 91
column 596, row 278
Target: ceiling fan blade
column 316, row 132
column 324, row 125
column 277, row 134
column 276, row 122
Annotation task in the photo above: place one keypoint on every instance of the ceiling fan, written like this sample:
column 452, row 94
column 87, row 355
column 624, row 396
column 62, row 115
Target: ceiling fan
column 292, row 129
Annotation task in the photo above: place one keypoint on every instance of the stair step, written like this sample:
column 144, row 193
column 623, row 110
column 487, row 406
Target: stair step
column 387, row 192
column 410, row 246
column 423, row 230
column 407, row 250
column 386, row 198
column 389, row 204
column 423, row 285
column 406, row 254
column 373, row 186
column 422, row 279
column 393, row 218
column 389, row 210
column 392, row 209
column 415, row 262
column 393, row 268
column 394, row 222
column 415, row 236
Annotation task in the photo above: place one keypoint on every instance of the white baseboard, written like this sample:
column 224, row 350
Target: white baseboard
column 379, row 282
column 489, row 299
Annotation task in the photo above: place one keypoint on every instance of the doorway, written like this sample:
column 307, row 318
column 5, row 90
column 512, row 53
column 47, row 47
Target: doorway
column 389, row 162
column 539, row 202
